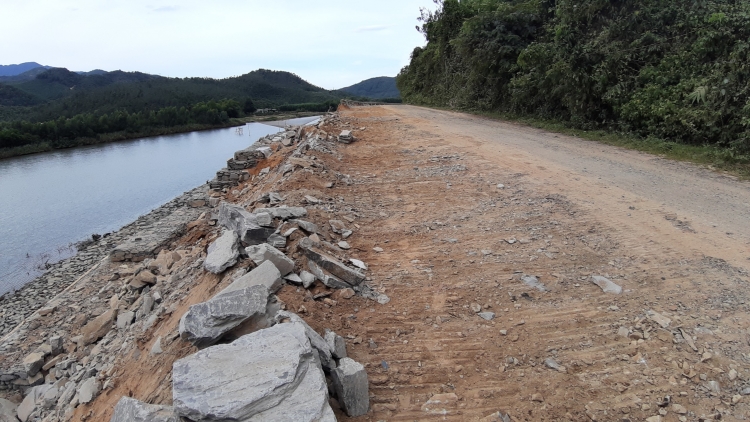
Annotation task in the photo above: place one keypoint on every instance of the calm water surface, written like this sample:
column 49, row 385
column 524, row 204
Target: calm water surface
column 49, row 201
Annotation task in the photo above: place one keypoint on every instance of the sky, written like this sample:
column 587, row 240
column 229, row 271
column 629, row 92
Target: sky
column 332, row 44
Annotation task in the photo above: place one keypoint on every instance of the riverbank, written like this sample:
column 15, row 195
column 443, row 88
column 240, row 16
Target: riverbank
column 151, row 132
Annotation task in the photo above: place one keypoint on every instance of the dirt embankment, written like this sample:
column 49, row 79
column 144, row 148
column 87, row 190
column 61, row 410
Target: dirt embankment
column 453, row 226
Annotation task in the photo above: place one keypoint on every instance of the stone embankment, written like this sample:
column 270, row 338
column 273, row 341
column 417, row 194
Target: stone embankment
column 204, row 272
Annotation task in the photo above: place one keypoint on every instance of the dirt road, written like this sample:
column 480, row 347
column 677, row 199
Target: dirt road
column 569, row 210
column 492, row 305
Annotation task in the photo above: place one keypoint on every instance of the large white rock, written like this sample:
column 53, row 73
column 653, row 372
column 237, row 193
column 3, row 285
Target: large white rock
column 132, row 410
column 316, row 340
column 206, row 323
column 264, row 274
column 268, row 369
column 8, row 411
column 222, row 253
column 265, row 252
column 350, row 384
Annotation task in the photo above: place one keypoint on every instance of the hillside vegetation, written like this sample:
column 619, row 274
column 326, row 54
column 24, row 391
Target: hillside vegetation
column 375, row 88
column 60, row 108
column 676, row 70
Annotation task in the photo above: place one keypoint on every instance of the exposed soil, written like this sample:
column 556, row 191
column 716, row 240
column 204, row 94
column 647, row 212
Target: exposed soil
column 423, row 186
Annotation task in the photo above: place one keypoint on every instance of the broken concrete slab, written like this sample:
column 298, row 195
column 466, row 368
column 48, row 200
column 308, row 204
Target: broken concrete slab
column 265, row 252
column 254, row 374
column 245, row 224
column 606, row 284
column 206, row 323
column 132, row 410
column 351, row 386
column 264, row 274
column 331, row 264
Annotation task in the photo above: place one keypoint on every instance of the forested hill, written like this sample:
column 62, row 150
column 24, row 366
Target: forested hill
column 375, row 88
column 677, row 70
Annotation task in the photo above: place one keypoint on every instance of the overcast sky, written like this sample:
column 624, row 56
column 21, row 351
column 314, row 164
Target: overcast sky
column 333, row 43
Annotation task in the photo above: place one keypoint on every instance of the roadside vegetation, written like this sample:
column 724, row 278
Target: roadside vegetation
column 666, row 77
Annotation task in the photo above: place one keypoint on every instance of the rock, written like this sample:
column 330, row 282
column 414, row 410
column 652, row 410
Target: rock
column 656, row 418
column 500, row 186
column 124, row 319
column 306, row 226
column 142, row 279
column 266, row 274
column 552, row 364
column 659, row 319
column 534, row 282
column 312, row 200
column 237, row 219
column 156, row 348
column 88, row 390
column 337, row 226
column 293, row 278
column 336, row 343
column 308, row 279
column 206, row 323
column 318, row 343
column 264, row 219
column 331, row 264
column 266, row 375
column 8, row 411
column 277, row 241
column 359, row 264
column 679, row 409
column 46, row 310
column 346, row 234
column 56, row 343
column 284, row 213
column 132, row 410
column 496, row 417
column 606, row 284
column 346, row 293
column 489, row 316
column 351, row 386
column 437, row 403
column 537, row 398
column 732, row 374
column 33, row 399
column 377, row 249
column 222, row 253
column 344, row 245
column 98, row 327
column 475, row 307
column 328, row 280
column 148, row 304
column 713, row 387
column 32, row 363
column 265, row 252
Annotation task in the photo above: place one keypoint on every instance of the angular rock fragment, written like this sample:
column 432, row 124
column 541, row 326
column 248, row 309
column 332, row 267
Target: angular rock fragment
column 328, row 280
column 222, row 253
column 236, row 218
column 132, row 410
column 317, row 342
column 293, row 278
column 267, row 375
column 350, row 384
column 264, row 219
column 306, row 226
column 284, row 213
column 606, row 284
column 331, row 264
column 206, row 323
column 88, row 390
column 8, row 411
column 277, row 241
column 34, row 398
column 124, row 319
column 336, row 343
column 488, row 316
column 266, row 274
column 98, row 327
column 308, row 279
column 265, row 252
column 32, row 363
column 534, row 282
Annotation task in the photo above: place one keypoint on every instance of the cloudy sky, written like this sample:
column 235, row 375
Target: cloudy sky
column 333, row 43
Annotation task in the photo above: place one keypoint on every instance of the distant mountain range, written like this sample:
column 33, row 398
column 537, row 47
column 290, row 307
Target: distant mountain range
column 375, row 88
column 17, row 69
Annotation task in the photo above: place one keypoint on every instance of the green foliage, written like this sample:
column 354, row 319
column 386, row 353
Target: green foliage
column 654, row 68
column 312, row 107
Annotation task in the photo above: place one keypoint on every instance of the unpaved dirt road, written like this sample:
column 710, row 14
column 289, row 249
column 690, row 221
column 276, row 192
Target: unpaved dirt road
column 419, row 188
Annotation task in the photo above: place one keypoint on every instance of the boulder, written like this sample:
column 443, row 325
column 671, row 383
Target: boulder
column 317, row 342
column 88, row 390
column 331, row 264
column 98, row 327
column 284, row 213
column 266, row 274
column 266, row 375
column 265, row 252
column 350, row 384
column 306, row 226
column 124, row 319
column 222, row 253
column 8, row 411
column 34, row 398
column 32, row 363
column 245, row 224
column 132, row 410
column 336, row 343
column 206, row 323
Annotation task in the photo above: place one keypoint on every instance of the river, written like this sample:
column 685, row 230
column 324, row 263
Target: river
column 51, row 200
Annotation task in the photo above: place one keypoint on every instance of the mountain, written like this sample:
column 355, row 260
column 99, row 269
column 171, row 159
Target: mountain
column 17, row 69
column 375, row 88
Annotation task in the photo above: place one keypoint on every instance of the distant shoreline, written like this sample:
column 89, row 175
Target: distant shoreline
column 127, row 136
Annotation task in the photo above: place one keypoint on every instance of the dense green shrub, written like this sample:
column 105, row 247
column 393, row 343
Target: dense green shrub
column 671, row 69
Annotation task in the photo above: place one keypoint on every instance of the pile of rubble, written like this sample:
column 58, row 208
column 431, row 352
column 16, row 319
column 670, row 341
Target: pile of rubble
column 285, row 370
